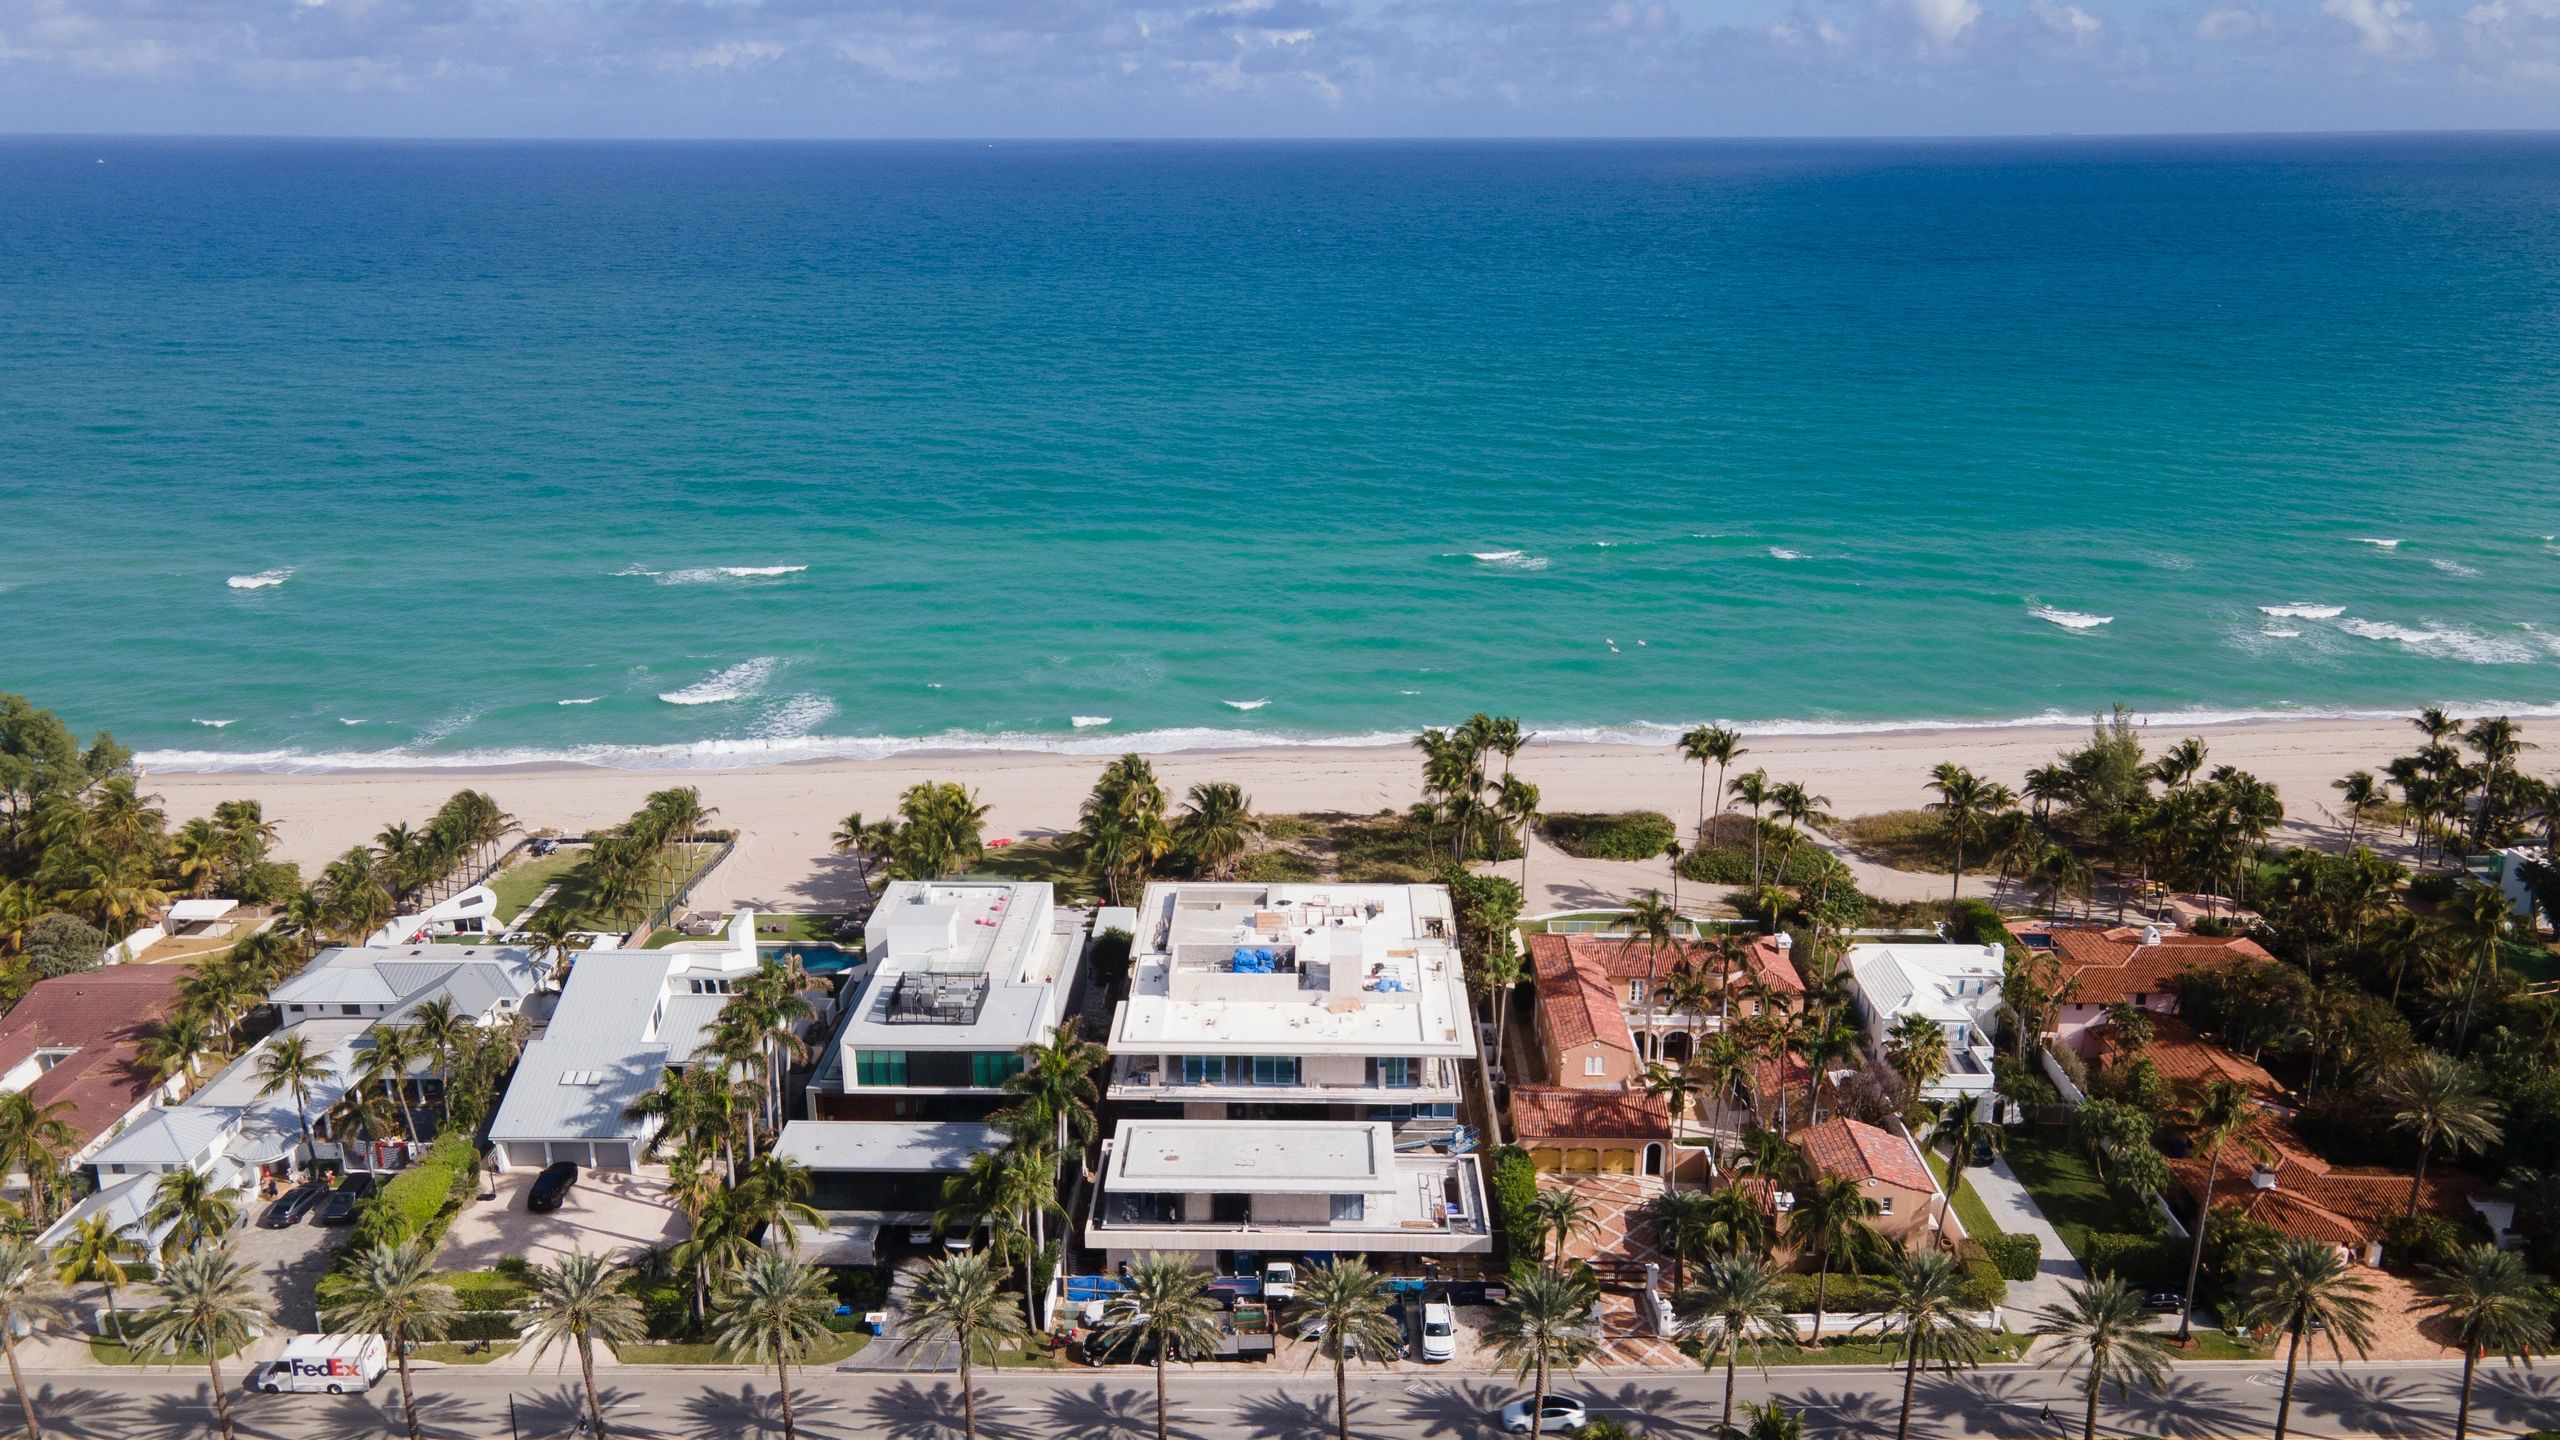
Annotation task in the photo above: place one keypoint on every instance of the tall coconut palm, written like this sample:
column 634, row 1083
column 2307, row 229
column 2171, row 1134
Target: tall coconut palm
column 2360, row 793
column 33, row 1139
column 387, row 1064
column 1752, row 788
column 1651, row 921
column 1965, row 801
column 1057, row 1094
column 1682, row 1224
column 1961, row 1125
column 1563, row 1215
column 210, row 1302
column 774, row 1312
column 395, row 1294
column 1517, row 803
column 576, row 1303
column 26, row 1285
column 2110, row 1336
column 1343, row 1307
column 1830, row 1220
column 1923, row 1313
column 1216, row 827
column 1164, row 1302
column 286, row 1063
column 198, row 1212
column 2305, row 1287
column 2437, row 1100
column 1711, row 745
column 1544, row 1326
column 1739, row 1300
column 961, row 1299
column 2223, row 1112
column 95, row 1251
column 2497, row 1307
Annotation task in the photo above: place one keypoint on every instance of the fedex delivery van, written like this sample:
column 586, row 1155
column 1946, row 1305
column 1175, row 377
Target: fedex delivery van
column 324, row 1364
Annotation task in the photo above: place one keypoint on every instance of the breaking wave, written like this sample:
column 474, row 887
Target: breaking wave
column 263, row 580
column 2445, row 642
column 735, row 683
column 2071, row 619
column 2303, row 612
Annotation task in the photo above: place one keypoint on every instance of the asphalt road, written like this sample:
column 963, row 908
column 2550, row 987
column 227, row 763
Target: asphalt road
column 1214, row 1402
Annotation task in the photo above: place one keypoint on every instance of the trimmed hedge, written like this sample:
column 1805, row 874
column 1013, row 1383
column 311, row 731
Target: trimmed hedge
column 1853, row 1294
column 418, row 1199
column 2137, row 1259
column 2015, row 1256
column 1628, row 835
column 1515, row 1194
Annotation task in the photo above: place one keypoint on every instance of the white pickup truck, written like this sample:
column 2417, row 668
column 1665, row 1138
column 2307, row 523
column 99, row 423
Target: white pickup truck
column 324, row 1365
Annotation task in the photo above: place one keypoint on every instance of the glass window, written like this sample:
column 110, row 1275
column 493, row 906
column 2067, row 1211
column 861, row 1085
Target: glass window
column 1594, row 1065
column 880, row 1067
column 1394, row 1072
column 1350, row 1207
column 989, row 1069
column 1204, row 1069
column 1275, row 1070
column 1635, row 993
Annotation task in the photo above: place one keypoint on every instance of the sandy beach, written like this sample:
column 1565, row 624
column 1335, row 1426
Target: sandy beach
column 788, row 812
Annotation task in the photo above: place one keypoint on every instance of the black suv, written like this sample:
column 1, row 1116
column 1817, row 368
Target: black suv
column 340, row 1207
column 288, row 1208
column 551, row 1186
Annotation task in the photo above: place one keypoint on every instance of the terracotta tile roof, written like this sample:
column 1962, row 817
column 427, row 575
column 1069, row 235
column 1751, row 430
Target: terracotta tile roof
column 102, row 1017
column 1856, row 1150
column 2190, row 1062
column 1560, row 1113
column 1612, row 957
column 1576, row 999
column 2113, row 963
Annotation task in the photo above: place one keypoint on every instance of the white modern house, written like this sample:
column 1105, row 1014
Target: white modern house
column 1247, row 1190
column 624, row 1018
column 1957, row 987
column 1301, row 1002
column 869, row 1175
column 963, row 975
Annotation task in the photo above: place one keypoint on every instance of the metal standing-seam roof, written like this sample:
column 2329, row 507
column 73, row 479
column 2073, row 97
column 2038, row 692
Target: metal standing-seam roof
column 578, row 1090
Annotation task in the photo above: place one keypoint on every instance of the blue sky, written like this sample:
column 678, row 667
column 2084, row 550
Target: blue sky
column 1251, row 68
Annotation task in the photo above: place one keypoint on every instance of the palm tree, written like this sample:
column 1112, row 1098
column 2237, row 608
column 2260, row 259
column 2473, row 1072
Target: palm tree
column 2361, row 792
column 576, row 1303
column 2303, row 1286
column 1058, row 1094
column 1961, row 1122
column 1543, row 1327
column 1964, row 802
column 773, row 1313
column 210, row 1302
column 2495, row 1305
column 1657, row 925
column 288, row 1064
column 1917, row 1048
column 2222, row 1113
column 1164, row 1300
column 96, row 1250
column 1711, row 745
column 960, row 1298
column 1517, row 803
column 1562, row 1215
column 438, row 1026
column 25, row 1286
column 1216, row 828
column 1751, row 788
column 397, row 1296
column 1772, row 1420
column 2105, row 1323
column 1923, row 1295
column 1830, row 1219
column 1343, row 1307
column 2437, row 1100
column 33, row 1139
column 198, row 1212
column 1738, row 1301
column 1683, row 1225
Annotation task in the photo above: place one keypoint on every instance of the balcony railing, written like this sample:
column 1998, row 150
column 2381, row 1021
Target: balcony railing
column 1136, row 1077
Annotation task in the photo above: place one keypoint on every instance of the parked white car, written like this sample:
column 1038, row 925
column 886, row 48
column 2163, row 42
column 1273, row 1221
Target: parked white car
column 1439, row 1332
column 1560, row 1417
column 1279, row 1281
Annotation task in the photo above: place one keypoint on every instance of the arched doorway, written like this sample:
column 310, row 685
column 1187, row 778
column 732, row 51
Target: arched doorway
column 1675, row 1048
column 1653, row 1158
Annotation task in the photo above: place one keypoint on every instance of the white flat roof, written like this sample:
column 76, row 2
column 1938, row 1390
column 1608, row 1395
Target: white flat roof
column 191, row 912
column 1260, row 1157
column 898, row 1147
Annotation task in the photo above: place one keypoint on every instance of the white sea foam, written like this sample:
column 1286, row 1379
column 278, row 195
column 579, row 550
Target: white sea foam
column 263, row 580
column 2455, row 567
column 2071, row 619
column 580, row 700
column 1509, row 559
column 2273, row 633
column 1245, row 705
column 1781, row 552
column 214, row 724
column 635, row 570
column 711, row 574
column 2377, row 544
column 2303, row 612
column 792, row 717
column 1089, row 722
column 735, row 683
column 2445, row 642
column 349, row 720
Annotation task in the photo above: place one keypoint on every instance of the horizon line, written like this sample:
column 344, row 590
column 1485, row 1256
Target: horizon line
column 1058, row 141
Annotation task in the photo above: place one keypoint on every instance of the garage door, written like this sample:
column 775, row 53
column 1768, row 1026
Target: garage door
column 527, row 1155
column 612, row 1155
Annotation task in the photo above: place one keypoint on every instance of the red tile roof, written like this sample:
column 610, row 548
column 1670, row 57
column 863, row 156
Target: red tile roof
column 2114, row 963
column 1576, row 999
column 1556, row 1112
column 1856, row 1150
column 102, row 1016
column 2190, row 1062
column 1613, row 957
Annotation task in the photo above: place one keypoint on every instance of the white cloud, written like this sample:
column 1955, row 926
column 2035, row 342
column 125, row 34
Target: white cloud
column 1944, row 20
column 2068, row 20
column 2233, row 24
column 2383, row 27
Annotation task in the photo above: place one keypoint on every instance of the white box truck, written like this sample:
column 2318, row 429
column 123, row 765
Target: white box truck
column 324, row 1365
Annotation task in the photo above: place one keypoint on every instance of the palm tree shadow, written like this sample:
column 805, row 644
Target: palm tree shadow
column 1658, row 1410
column 1456, row 1408
column 1846, row 1412
column 2368, row 1402
column 908, row 1411
column 2515, row 1397
column 750, row 1412
column 553, row 1413
column 179, row 1416
column 2182, row 1407
column 1284, row 1416
column 1102, row 1414
column 1987, row 1404
column 440, row 1417
column 80, row 1411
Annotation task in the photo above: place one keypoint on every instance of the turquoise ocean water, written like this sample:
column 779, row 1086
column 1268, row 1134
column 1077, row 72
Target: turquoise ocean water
column 373, row 454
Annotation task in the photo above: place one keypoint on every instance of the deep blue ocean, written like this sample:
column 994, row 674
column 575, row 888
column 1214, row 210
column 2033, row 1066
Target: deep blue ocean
column 395, row 453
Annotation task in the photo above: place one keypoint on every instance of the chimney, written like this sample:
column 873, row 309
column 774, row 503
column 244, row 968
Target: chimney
column 1785, row 942
column 2150, row 934
column 2261, row 1178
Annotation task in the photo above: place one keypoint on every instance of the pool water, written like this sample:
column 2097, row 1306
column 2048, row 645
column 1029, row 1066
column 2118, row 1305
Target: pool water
column 818, row 957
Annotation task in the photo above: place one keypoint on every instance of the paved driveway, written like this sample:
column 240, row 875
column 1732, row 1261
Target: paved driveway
column 615, row 1214
column 289, row 1263
column 2014, row 1211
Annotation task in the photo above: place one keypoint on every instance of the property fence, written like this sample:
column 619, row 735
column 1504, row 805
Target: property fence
column 682, row 894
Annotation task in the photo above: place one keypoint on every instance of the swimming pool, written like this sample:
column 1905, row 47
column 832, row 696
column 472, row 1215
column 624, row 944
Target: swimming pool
column 818, row 957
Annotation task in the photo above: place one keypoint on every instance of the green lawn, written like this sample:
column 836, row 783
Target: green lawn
column 1970, row 1211
column 2066, row 1188
column 1053, row 860
column 2214, row 1345
column 2534, row 964
column 516, row 885
column 567, row 866
column 446, row 1352
column 833, row 1351
column 2006, row 1345
column 113, row 1352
